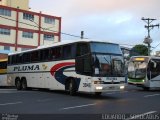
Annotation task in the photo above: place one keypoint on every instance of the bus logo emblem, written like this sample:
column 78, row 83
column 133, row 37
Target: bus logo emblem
column 44, row 66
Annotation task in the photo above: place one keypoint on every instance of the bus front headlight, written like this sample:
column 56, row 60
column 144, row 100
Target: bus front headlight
column 99, row 88
column 121, row 87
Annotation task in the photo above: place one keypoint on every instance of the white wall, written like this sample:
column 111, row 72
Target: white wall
column 28, row 41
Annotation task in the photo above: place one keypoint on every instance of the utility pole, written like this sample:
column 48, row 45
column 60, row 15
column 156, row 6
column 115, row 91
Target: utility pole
column 149, row 27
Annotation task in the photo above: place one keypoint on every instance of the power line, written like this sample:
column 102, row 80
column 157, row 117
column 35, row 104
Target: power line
column 43, row 28
column 156, row 46
column 53, row 30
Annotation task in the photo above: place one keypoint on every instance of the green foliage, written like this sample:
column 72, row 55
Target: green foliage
column 139, row 50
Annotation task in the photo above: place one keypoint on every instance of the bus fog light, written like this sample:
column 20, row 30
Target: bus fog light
column 99, row 88
column 121, row 87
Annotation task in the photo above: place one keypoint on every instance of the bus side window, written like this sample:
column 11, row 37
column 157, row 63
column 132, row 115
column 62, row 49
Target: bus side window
column 34, row 56
column 82, row 49
column 14, row 59
column 26, row 57
column 19, row 58
column 56, row 53
column 67, row 52
column 44, row 55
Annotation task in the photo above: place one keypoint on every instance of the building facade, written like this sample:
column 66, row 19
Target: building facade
column 22, row 29
column 21, row 4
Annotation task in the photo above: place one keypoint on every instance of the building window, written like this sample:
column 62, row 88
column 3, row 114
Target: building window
column 49, row 20
column 48, row 37
column 27, row 16
column 27, row 34
column 5, row 12
column 6, row 48
column 5, row 31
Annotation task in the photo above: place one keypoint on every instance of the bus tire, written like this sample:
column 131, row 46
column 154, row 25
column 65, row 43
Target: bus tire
column 98, row 93
column 72, row 87
column 24, row 84
column 18, row 84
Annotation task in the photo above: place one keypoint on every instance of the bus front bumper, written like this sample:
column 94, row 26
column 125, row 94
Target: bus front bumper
column 107, row 88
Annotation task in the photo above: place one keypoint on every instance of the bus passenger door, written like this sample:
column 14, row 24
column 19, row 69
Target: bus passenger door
column 153, row 72
column 84, row 69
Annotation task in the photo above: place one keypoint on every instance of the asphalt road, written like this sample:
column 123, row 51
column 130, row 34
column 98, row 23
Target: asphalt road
column 133, row 101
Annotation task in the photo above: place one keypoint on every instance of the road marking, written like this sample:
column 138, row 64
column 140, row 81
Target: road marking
column 80, row 106
column 141, row 115
column 11, row 103
column 151, row 95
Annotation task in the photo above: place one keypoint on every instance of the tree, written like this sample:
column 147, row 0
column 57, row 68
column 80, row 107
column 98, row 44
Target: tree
column 139, row 50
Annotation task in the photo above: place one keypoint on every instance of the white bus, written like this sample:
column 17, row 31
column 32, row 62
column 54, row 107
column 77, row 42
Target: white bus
column 144, row 71
column 82, row 66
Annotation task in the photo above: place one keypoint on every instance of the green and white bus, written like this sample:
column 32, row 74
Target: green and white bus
column 81, row 66
column 144, row 71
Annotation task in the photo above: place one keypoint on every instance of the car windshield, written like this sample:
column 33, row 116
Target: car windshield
column 108, row 65
column 137, row 69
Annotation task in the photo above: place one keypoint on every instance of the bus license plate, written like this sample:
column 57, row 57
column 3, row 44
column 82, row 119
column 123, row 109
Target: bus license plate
column 111, row 78
column 111, row 87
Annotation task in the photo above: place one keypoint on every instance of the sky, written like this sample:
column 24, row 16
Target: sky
column 117, row 21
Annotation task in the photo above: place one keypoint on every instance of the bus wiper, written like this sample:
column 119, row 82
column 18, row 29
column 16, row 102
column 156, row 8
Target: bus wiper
column 106, row 60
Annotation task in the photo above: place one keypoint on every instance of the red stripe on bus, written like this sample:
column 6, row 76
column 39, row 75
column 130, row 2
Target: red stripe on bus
column 60, row 65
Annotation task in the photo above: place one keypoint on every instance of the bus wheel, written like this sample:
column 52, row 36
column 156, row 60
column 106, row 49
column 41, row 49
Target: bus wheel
column 72, row 87
column 24, row 84
column 18, row 85
column 98, row 93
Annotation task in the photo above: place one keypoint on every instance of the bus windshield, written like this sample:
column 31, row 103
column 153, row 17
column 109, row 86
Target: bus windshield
column 108, row 60
column 3, row 65
column 108, row 65
column 137, row 69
